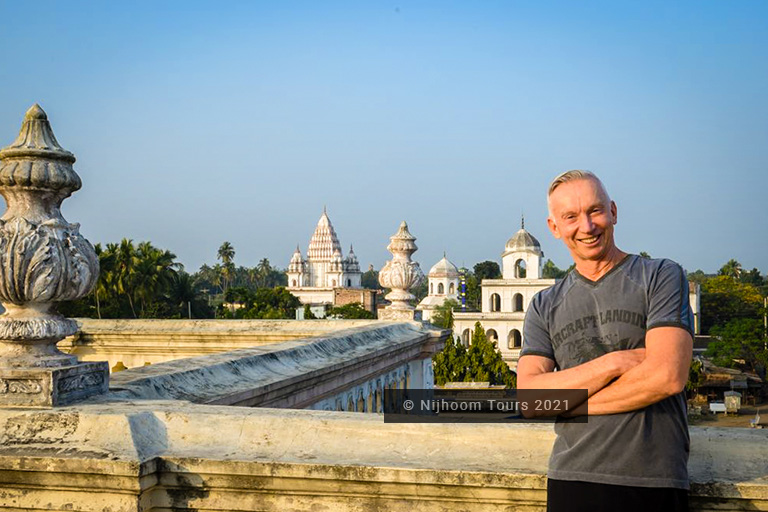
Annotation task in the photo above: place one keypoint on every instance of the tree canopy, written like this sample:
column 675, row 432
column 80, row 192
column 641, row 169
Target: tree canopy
column 482, row 362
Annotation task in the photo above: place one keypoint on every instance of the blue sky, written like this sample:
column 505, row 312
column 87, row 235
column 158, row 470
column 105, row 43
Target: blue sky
column 199, row 122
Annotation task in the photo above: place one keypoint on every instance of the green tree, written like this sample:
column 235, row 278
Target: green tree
column 474, row 293
column 449, row 365
column 732, row 268
column 645, row 255
column 182, row 292
column 741, row 341
column 370, row 279
column 351, row 311
column 486, row 270
column 695, row 376
column 442, row 316
column 754, row 278
column 724, row 298
column 308, row 314
column 226, row 254
column 697, row 276
column 484, row 362
column 551, row 271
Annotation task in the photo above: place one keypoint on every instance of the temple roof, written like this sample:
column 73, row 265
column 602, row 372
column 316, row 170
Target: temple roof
column 324, row 242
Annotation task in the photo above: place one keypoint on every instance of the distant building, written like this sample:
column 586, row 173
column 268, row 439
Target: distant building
column 324, row 275
column 443, row 285
column 505, row 300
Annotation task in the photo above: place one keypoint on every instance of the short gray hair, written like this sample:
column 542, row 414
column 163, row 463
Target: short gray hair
column 576, row 174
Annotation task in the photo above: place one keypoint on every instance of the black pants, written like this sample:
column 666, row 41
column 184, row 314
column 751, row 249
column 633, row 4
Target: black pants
column 568, row 496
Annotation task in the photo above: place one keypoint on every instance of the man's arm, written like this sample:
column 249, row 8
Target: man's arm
column 663, row 373
column 537, row 372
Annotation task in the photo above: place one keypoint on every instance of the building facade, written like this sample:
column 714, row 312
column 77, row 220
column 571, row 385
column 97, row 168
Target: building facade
column 505, row 301
column 313, row 279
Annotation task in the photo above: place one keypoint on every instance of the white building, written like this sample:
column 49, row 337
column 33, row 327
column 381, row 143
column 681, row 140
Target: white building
column 505, row 300
column 443, row 284
column 314, row 279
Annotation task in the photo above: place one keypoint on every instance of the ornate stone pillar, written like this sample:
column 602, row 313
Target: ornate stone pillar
column 400, row 274
column 43, row 259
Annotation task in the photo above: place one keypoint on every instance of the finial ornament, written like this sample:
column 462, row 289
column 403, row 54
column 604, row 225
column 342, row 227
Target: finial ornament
column 401, row 274
column 522, row 221
column 43, row 260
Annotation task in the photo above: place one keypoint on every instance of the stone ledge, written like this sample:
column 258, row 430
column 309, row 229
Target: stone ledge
column 283, row 374
column 160, row 455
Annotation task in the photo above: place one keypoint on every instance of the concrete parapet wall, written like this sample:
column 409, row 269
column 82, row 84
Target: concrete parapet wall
column 153, row 456
column 292, row 374
column 137, row 342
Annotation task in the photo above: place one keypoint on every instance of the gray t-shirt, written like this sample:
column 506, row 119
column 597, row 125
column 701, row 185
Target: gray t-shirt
column 578, row 320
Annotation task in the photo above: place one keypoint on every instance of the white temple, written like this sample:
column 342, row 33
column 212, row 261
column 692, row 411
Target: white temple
column 505, row 300
column 443, row 285
column 314, row 279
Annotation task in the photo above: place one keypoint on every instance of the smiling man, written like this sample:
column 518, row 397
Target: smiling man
column 619, row 326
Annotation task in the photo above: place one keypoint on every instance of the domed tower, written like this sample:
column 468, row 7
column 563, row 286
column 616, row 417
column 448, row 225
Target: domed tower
column 297, row 270
column 444, row 279
column 353, row 278
column 522, row 256
column 443, row 285
column 335, row 270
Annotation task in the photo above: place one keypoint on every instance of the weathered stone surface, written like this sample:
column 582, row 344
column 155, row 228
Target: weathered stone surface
column 137, row 342
column 160, row 455
column 294, row 373
column 400, row 273
column 53, row 386
column 43, row 259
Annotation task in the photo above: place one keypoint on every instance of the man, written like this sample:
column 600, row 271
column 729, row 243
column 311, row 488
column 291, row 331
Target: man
column 619, row 326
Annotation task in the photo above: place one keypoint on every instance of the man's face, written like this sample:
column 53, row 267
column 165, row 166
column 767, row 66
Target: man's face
column 582, row 215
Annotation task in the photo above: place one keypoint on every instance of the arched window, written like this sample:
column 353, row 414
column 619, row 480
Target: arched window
column 350, row 404
column 333, row 283
column 495, row 302
column 492, row 335
column 349, row 283
column 514, row 340
column 520, row 268
column 517, row 302
column 431, row 288
column 294, row 283
column 451, row 289
column 440, row 289
column 465, row 336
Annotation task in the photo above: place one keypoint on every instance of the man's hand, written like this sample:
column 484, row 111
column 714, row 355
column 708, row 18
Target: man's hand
column 662, row 373
column 537, row 372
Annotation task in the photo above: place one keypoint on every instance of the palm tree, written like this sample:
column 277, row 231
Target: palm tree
column 105, row 283
column 155, row 272
column 263, row 269
column 125, row 263
column 731, row 268
column 226, row 254
column 183, row 291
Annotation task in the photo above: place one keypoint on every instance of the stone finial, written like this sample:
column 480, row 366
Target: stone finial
column 43, row 260
column 401, row 274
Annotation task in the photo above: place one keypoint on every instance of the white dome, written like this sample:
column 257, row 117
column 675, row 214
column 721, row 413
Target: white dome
column 444, row 268
column 522, row 241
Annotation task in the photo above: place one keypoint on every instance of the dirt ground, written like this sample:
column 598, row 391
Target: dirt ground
column 740, row 420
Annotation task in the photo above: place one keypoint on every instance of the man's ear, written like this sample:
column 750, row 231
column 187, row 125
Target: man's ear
column 553, row 228
column 614, row 212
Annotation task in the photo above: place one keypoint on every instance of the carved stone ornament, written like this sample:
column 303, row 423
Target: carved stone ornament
column 401, row 274
column 43, row 258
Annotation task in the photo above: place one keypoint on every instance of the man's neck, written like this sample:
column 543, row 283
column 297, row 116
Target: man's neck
column 595, row 269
